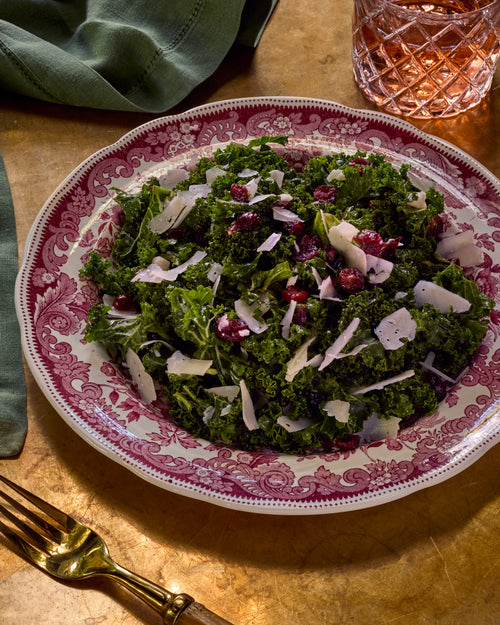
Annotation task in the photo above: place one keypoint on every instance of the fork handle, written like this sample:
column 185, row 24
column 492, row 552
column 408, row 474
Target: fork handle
column 197, row 614
column 175, row 609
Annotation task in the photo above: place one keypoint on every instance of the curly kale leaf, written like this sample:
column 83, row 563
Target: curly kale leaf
column 138, row 210
column 120, row 334
column 191, row 316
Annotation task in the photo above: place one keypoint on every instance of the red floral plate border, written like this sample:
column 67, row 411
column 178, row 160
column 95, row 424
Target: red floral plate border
column 98, row 401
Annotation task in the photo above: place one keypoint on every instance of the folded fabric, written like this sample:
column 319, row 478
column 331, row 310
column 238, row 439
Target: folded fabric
column 121, row 54
column 13, row 420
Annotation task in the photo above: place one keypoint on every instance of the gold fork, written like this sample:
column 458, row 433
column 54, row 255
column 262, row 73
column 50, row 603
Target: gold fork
column 60, row 545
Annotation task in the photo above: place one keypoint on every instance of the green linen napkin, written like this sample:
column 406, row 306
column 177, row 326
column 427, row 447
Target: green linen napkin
column 125, row 55
column 13, row 420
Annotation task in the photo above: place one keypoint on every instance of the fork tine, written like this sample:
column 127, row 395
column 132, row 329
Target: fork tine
column 66, row 521
column 35, row 538
column 34, row 554
column 35, row 518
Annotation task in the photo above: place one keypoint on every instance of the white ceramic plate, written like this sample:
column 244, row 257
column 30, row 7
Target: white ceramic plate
column 100, row 403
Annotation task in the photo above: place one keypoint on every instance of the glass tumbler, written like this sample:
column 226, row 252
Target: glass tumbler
column 425, row 59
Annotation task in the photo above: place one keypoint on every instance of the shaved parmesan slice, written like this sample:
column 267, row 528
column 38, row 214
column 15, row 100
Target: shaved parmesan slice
column 214, row 272
column 439, row 297
column 375, row 429
column 172, row 274
column 195, row 191
column 270, row 242
column 180, row 365
column 315, row 361
column 213, row 173
column 172, row 177
column 339, row 409
column 286, row 322
column 277, row 176
column 469, row 256
column 299, row 359
column 178, row 208
column 229, row 392
column 340, row 237
column 247, row 408
column 335, row 174
column 162, row 263
column 246, row 311
column 251, row 186
column 346, row 230
column 378, row 269
column 169, row 216
column 327, row 289
column 285, row 197
column 454, row 240
column 141, row 377
column 462, row 248
column 338, row 345
column 258, row 198
column 420, row 201
column 353, row 352
column 208, row 413
column 378, row 386
column 294, row 426
column 215, row 286
column 153, row 273
column 317, row 277
column 396, row 326
column 247, row 173
column 283, row 214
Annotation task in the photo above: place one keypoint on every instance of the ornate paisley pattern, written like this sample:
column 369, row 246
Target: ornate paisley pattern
column 100, row 401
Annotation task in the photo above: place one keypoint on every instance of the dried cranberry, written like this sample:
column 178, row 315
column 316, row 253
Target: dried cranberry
column 199, row 235
column 372, row 243
column 325, row 194
column 307, row 248
column 231, row 329
column 123, row 302
column 437, row 384
column 239, row 193
column 293, row 227
column 294, row 293
column 350, row 280
column 359, row 160
column 331, row 253
column 347, row 442
column 300, row 316
column 390, row 246
column 176, row 233
column 244, row 223
column 281, row 204
column 437, row 226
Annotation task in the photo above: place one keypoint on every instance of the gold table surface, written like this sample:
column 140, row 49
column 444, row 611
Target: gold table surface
column 429, row 558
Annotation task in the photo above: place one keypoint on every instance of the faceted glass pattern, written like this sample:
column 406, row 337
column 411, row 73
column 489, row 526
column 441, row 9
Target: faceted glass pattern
column 418, row 64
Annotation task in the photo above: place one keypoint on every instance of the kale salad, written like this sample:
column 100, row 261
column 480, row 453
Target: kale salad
column 286, row 308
